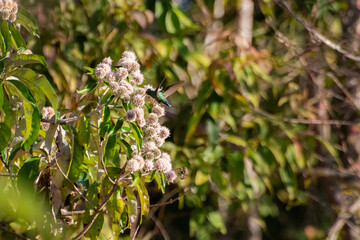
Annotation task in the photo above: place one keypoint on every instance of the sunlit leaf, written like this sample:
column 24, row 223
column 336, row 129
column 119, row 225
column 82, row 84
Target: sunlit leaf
column 217, row 221
column 144, row 199
column 172, row 22
column 25, row 19
column 19, row 41
column 90, row 86
column 131, row 207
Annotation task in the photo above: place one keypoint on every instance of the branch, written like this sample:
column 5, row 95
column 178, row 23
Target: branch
column 73, row 184
column 7, row 230
column 306, row 121
column 343, row 217
column 100, row 208
column 318, row 35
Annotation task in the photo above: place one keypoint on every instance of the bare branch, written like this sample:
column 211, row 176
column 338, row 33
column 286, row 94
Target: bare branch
column 7, row 230
column 306, row 121
column 318, row 35
column 100, row 208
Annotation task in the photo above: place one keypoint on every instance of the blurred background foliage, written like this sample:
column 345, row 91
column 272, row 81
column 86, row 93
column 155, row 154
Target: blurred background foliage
column 251, row 123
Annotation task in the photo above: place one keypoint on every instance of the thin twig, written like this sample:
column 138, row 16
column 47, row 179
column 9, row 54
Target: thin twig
column 136, row 231
column 316, row 33
column 161, row 227
column 171, row 201
column 5, row 229
column 99, row 209
column 306, row 121
column 74, row 186
column 8, row 175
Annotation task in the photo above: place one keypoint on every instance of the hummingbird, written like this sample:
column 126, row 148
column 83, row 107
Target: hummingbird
column 160, row 95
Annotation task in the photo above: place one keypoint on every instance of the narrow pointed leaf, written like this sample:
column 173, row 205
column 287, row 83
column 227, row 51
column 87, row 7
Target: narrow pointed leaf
column 90, row 86
column 6, row 36
column 132, row 207
column 18, row 39
column 6, row 123
column 25, row 19
column 144, row 199
column 77, row 158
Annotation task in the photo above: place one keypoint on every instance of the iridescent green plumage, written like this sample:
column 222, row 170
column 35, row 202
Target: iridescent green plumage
column 160, row 96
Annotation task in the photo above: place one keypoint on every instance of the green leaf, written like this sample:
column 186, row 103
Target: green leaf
column 31, row 112
column 144, row 199
column 111, row 152
column 127, row 145
column 132, row 207
column 199, row 110
column 24, row 59
column 185, row 20
column 19, row 41
column 117, row 126
column 5, row 32
column 216, row 220
column 1, row 96
column 91, row 70
column 90, row 86
column 93, row 196
column 77, row 159
column 84, row 132
column 331, row 149
column 160, row 180
column 116, row 207
column 172, row 22
column 34, row 129
column 2, row 47
column 105, row 123
column 25, row 19
column 6, row 123
column 22, row 89
column 27, row 77
column 138, row 135
column 29, row 171
column 212, row 129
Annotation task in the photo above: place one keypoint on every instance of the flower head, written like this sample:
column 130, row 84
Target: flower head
column 159, row 141
column 150, row 131
column 165, row 156
column 170, row 176
column 132, row 165
column 129, row 54
column 158, row 110
column 102, row 70
column 107, row 61
column 162, row 165
column 110, row 77
column 138, row 100
column 152, row 119
column 129, row 88
column 121, row 74
column 163, row 132
column 138, row 77
column 140, row 122
column 139, row 112
column 139, row 159
column 120, row 91
column 148, row 146
column 140, row 91
column 131, row 115
column 148, row 165
column 157, row 152
column 149, row 156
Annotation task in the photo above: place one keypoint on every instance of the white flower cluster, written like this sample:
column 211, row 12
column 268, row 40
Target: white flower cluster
column 8, row 10
column 124, row 83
